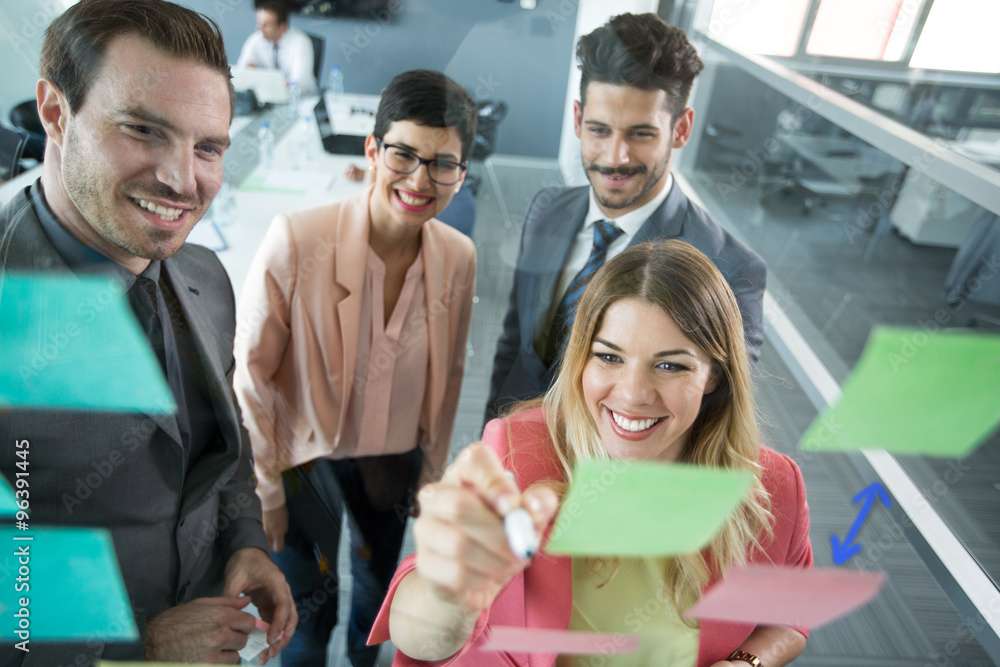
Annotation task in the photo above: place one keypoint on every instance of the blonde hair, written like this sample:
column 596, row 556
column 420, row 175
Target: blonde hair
column 689, row 288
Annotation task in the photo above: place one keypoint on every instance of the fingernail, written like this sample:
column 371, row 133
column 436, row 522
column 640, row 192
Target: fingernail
column 506, row 503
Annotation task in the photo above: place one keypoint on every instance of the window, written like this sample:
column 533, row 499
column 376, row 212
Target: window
column 960, row 35
column 864, row 29
column 770, row 27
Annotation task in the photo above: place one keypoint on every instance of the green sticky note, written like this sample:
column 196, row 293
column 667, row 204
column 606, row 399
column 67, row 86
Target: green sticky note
column 8, row 504
column 63, row 584
column 72, row 342
column 644, row 508
column 930, row 393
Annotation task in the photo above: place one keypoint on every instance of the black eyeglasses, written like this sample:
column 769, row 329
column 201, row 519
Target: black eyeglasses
column 402, row 160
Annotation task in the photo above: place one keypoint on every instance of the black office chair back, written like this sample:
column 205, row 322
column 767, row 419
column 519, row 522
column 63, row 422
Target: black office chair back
column 319, row 44
column 11, row 150
column 489, row 114
column 25, row 117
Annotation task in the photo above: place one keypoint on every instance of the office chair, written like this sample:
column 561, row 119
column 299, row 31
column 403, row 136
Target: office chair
column 24, row 117
column 319, row 45
column 489, row 114
column 11, row 151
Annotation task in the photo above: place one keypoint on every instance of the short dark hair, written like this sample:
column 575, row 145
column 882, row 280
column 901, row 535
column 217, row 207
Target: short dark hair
column 642, row 51
column 427, row 98
column 76, row 41
column 277, row 7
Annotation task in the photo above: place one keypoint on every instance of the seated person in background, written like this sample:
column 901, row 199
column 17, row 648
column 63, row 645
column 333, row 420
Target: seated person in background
column 353, row 325
column 658, row 336
column 460, row 213
column 277, row 45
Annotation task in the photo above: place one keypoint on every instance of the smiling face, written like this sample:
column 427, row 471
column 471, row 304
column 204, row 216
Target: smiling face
column 401, row 203
column 135, row 168
column 626, row 143
column 644, row 382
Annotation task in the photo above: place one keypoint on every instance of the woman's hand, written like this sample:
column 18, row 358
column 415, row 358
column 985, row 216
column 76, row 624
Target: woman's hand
column 275, row 527
column 462, row 549
column 463, row 558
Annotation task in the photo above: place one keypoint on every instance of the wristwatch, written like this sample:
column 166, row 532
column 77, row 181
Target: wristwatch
column 746, row 657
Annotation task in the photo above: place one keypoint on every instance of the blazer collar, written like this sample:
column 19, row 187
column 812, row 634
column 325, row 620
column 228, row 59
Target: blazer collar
column 442, row 300
column 667, row 221
column 352, row 226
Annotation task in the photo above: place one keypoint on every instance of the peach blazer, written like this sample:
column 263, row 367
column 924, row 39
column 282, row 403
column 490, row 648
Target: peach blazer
column 297, row 336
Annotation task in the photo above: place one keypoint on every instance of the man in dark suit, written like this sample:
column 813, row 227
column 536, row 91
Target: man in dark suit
column 637, row 73
column 136, row 104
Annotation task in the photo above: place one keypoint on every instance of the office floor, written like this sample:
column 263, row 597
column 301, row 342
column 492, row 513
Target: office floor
column 910, row 623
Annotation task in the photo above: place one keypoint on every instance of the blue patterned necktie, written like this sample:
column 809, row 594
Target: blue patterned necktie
column 605, row 232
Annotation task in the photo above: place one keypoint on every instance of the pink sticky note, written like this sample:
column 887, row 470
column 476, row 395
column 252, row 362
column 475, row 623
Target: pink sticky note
column 787, row 596
column 262, row 625
column 530, row 640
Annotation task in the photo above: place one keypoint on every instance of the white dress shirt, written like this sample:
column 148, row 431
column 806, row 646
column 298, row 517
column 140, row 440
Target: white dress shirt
column 295, row 56
column 579, row 252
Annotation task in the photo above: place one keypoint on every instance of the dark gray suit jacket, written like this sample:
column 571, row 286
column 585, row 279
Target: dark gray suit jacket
column 173, row 530
column 553, row 220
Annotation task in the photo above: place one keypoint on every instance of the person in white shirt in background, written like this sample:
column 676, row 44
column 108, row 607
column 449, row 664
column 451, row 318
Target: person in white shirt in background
column 277, row 45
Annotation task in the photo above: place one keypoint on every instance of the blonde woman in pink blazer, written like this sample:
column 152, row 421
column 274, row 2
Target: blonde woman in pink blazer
column 350, row 352
column 656, row 369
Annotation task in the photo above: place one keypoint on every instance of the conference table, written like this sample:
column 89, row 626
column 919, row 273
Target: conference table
column 253, row 196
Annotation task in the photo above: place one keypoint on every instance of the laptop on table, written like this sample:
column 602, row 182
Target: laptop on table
column 339, row 144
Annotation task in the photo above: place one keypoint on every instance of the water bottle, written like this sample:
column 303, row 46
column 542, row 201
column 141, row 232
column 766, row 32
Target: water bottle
column 265, row 145
column 222, row 206
column 293, row 99
column 307, row 138
column 336, row 83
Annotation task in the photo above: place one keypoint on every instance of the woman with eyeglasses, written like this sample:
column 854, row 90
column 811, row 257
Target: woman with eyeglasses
column 350, row 353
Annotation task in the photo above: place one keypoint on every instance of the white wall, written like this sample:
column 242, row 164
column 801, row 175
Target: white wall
column 22, row 27
column 590, row 14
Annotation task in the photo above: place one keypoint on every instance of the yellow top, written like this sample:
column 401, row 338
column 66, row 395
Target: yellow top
column 632, row 603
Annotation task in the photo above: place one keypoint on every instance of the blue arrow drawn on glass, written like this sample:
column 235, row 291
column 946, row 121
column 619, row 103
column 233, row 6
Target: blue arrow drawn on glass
column 844, row 551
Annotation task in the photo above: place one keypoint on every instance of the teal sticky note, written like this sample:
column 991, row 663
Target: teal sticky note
column 72, row 342
column 8, row 504
column 930, row 393
column 62, row 584
column 644, row 508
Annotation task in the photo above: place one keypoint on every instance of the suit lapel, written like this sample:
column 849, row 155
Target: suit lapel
column 437, row 293
column 544, row 260
column 211, row 376
column 667, row 221
column 351, row 262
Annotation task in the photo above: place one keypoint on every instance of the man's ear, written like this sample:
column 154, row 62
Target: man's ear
column 577, row 117
column 683, row 127
column 53, row 110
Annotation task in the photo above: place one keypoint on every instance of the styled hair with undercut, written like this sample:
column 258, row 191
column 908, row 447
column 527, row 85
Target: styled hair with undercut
column 427, row 98
column 642, row 51
column 77, row 40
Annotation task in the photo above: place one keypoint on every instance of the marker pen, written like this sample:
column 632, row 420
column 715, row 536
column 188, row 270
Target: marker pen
column 520, row 529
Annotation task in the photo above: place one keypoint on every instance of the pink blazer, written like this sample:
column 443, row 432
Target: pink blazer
column 541, row 596
column 297, row 336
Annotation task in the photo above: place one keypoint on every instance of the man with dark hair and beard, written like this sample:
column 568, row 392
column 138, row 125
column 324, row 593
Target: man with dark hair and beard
column 637, row 73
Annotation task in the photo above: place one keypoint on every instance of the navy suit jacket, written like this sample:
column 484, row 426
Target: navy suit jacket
column 553, row 220
column 173, row 530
